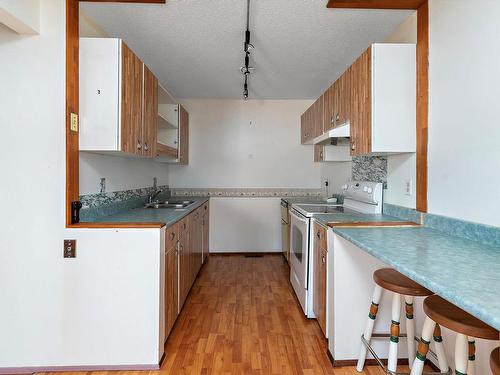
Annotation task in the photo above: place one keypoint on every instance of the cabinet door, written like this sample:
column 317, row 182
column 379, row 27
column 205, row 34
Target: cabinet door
column 318, row 153
column 184, row 261
column 131, row 107
column 342, row 99
column 303, row 127
column 317, row 125
column 184, row 136
column 206, row 231
column 150, row 118
column 171, row 288
column 329, row 107
column 319, row 287
column 361, row 104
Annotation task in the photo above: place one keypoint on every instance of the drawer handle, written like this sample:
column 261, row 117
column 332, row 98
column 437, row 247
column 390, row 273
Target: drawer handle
column 139, row 146
column 172, row 235
column 318, row 234
column 323, row 259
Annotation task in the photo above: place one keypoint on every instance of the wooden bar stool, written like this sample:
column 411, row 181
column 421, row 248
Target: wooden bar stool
column 391, row 280
column 495, row 361
column 467, row 327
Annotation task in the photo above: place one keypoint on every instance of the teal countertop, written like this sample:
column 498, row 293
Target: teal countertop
column 353, row 218
column 169, row 216
column 464, row 272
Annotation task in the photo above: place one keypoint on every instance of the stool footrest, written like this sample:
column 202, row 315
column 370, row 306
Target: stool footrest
column 381, row 364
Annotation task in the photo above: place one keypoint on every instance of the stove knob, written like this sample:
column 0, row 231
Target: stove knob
column 365, row 189
column 344, row 187
column 369, row 190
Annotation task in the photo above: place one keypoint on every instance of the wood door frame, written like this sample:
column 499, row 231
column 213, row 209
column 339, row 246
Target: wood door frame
column 422, row 104
column 72, row 101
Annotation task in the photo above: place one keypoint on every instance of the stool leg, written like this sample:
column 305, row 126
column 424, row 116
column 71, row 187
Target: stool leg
column 410, row 329
column 461, row 354
column 440, row 353
column 423, row 347
column 372, row 315
column 394, row 340
column 471, row 366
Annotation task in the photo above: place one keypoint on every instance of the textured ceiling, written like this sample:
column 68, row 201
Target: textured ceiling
column 195, row 47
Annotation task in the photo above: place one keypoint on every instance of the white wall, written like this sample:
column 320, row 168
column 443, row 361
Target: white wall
column 241, row 144
column 32, row 110
column 253, row 144
column 121, row 173
column 402, row 167
column 464, row 134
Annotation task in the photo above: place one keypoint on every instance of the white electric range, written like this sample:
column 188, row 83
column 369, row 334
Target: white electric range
column 360, row 197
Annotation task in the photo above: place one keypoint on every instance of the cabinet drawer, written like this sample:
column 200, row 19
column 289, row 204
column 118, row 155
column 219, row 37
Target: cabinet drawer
column 320, row 236
column 172, row 236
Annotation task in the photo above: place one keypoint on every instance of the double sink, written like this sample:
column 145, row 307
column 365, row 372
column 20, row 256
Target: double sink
column 178, row 204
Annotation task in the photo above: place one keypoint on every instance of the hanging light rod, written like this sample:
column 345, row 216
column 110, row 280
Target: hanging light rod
column 246, row 70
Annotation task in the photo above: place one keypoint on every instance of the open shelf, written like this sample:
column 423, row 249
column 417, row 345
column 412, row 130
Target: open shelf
column 164, row 150
column 164, row 123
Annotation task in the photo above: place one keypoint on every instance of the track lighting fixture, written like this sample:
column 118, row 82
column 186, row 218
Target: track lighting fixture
column 246, row 70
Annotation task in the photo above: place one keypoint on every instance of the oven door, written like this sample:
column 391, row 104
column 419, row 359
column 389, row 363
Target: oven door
column 299, row 254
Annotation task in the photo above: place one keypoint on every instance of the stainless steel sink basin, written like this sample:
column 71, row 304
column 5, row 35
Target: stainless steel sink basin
column 172, row 203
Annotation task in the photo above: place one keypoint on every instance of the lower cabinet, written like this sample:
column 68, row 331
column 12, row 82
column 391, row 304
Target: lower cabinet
column 183, row 260
column 319, row 282
column 205, row 218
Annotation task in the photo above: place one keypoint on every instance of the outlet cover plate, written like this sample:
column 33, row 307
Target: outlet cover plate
column 69, row 248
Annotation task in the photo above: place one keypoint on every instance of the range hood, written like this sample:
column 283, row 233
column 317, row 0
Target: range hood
column 338, row 135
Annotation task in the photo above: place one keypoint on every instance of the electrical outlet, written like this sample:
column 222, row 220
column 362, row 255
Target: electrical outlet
column 408, row 186
column 69, row 248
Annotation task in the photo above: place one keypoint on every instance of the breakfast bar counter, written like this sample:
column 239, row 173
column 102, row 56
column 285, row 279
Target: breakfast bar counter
column 464, row 272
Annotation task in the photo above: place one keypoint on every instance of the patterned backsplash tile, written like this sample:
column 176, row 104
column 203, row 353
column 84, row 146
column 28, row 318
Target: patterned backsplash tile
column 246, row 192
column 369, row 168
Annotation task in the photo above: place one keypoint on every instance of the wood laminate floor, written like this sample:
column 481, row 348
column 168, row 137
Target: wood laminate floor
column 242, row 317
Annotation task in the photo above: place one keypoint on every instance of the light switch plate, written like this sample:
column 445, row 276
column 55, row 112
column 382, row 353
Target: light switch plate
column 73, row 122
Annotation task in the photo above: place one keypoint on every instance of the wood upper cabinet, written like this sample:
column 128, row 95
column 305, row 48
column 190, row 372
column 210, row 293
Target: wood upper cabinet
column 318, row 153
column 337, row 102
column 183, row 136
column 377, row 96
column 361, row 95
column 317, row 118
column 311, row 122
column 383, row 100
column 118, row 99
column 150, row 118
column 319, row 278
column 131, row 105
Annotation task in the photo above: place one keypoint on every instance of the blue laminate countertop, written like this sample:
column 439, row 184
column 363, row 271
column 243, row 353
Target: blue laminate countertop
column 464, row 272
column 169, row 216
column 353, row 218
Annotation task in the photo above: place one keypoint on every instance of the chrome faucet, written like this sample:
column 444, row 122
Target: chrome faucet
column 154, row 195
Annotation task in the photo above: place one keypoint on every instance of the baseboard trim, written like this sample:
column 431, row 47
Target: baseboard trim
column 250, row 253
column 31, row 370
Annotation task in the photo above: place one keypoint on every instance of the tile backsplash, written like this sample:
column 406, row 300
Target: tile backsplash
column 369, row 168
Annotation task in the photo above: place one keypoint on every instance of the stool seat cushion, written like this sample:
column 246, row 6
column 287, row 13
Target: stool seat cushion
column 495, row 361
column 390, row 279
column 456, row 319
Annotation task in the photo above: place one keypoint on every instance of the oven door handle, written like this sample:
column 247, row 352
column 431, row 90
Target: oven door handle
column 298, row 216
